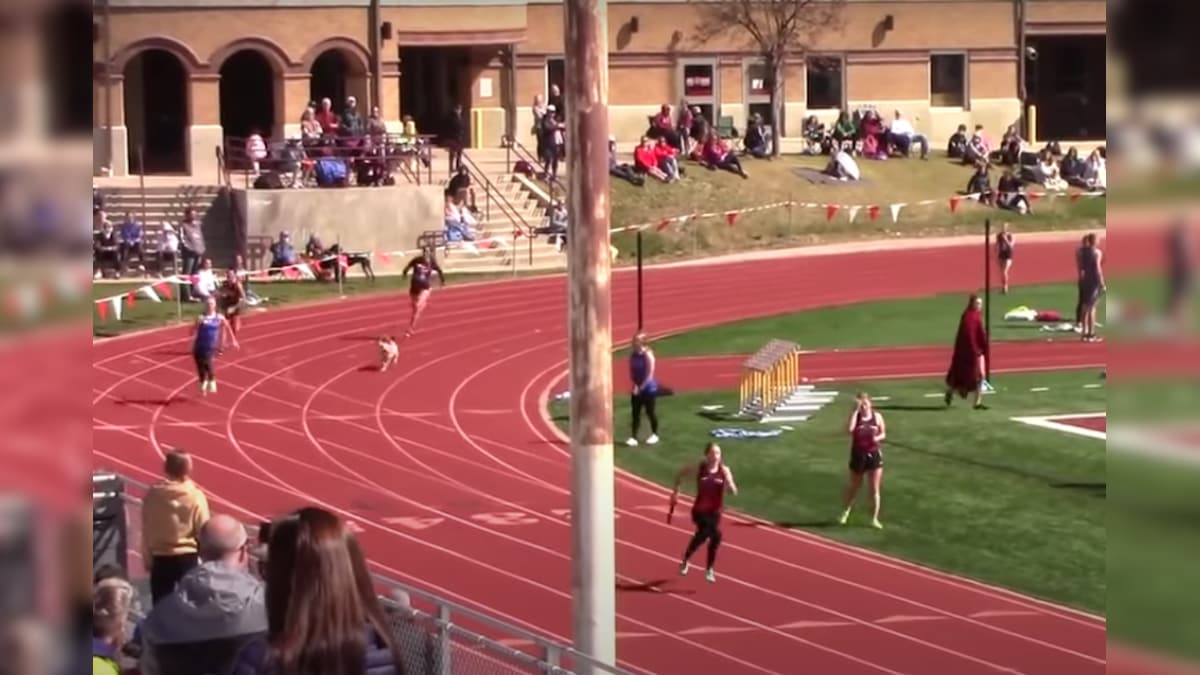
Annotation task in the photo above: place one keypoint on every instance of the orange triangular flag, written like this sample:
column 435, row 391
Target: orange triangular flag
column 131, row 298
column 1034, row 196
column 385, row 257
column 1075, row 196
column 954, row 203
column 163, row 289
column 102, row 309
column 731, row 217
column 831, row 211
column 664, row 224
column 872, row 212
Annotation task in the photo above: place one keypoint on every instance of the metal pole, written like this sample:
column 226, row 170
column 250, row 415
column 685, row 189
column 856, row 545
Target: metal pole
column 987, row 294
column 640, row 315
column 108, row 98
column 589, row 269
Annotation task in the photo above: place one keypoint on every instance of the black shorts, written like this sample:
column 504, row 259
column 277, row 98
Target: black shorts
column 863, row 462
column 416, row 291
column 706, row 519
column 1089, row 293
column 1005, row 255
column 204, row 362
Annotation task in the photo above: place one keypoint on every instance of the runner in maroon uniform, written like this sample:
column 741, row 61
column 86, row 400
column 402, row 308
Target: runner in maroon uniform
column 423, row 268
column 867, row 431
column 713, row 479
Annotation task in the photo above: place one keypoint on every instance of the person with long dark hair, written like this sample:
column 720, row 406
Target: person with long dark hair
column 713, row 479
column 423, row 267
column 968, row 364
column 208, row 340
column 1004, row 254
column 321, row 618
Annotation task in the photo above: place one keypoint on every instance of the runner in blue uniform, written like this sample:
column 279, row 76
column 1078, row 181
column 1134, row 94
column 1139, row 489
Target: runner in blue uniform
column 208, row 339
column 646, row 389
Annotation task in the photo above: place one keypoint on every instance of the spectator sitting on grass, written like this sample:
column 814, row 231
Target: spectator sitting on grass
column 902, row 136
column 755, row 140
column 1072, row 167
column 1010, row 193
column 645, row 160
column 717, row 155
column 665, row 154
column 322, row 614
column 843, row 167
column 621, row 170
column 977, row 148
column 1048, row 173
column 1095, row 170
column 981, row 184
column 956, row 147
column 216, row 609
column 1011, row 146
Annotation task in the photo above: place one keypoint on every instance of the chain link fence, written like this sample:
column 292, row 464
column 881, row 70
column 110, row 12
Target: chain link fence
column 433, row 635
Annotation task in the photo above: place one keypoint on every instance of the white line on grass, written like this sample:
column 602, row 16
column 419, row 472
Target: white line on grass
column 1048, row 422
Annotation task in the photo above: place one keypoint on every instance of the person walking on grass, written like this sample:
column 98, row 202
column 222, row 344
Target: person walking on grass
column 867, row 432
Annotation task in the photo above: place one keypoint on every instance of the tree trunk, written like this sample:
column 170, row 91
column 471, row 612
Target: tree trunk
column 775, row 67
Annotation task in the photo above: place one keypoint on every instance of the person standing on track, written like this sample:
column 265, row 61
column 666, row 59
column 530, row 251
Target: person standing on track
column 231, row 299
column 713, row 479
column 1091, row 285
column 208, row 339
column 423, row 268
column 1004, row 254
column 968, row 365
column 867, row 431
column 646, row 389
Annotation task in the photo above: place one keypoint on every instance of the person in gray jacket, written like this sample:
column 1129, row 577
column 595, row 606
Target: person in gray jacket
column 215, row 610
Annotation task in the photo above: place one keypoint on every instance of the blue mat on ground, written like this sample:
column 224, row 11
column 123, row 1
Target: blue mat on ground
column 734, row 433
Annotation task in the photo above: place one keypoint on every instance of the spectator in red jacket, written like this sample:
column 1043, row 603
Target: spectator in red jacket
column 645, row 160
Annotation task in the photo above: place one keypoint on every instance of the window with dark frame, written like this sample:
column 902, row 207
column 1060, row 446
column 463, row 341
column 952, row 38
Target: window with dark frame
column 758, row 77
column 948, row 80
column 823, row 77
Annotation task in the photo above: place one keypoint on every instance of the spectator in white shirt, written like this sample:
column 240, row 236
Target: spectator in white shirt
column 843, row 167
column 1095, row 171
column 206, row 281
column 901, row 135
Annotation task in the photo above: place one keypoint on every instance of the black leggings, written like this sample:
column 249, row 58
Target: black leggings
column 707, row 529
column 640, row 402
column 204, row 366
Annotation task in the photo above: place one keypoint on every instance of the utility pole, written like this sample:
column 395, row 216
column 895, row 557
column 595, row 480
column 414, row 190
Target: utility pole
column 593, row 577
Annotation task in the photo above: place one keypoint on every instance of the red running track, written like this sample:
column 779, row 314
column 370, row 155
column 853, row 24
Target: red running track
column 459, row 482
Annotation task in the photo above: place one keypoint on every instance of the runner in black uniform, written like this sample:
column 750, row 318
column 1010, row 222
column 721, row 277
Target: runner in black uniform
column 1091, row 285
column 1004, row 253
column 422, row 267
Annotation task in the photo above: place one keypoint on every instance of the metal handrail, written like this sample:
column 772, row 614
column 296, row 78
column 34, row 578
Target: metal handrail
column 552, row 652
column 524, row 154
column 506, row 207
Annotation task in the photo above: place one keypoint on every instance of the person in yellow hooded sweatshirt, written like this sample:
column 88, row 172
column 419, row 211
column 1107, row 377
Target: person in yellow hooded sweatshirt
column 173, row 512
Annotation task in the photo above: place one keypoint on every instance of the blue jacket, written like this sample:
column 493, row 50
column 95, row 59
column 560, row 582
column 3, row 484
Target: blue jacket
column 254, row 659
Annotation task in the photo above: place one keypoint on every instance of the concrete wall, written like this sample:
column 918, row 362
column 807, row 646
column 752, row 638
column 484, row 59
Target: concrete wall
column 363, row 219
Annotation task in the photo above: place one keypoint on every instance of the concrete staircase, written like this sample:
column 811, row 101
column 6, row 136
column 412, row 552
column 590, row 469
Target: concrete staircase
column 505, row 205
column 166, row 204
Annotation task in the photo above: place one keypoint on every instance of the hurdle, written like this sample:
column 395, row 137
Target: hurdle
column 768, row 379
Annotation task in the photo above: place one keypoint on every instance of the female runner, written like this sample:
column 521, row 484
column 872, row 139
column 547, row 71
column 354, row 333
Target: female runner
column 422, row 267
column 231, row 298
column 713, row 479
column 867, row 430
column 208, row 339
column 1091, row 285
column 1004, row 254
column 646, row 389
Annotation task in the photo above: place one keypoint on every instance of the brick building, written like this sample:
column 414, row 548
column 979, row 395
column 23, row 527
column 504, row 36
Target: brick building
column 173, row 77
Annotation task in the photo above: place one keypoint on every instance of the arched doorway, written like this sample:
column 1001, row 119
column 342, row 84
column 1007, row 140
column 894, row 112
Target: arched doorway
column 337, row 75
column 247, row 94
column 156, row 112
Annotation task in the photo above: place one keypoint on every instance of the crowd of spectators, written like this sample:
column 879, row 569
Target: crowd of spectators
column 126, row 247
column 299, row 599
column 333, row 149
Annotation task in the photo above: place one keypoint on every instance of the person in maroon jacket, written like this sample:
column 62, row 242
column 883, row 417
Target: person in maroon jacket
column 968, row 365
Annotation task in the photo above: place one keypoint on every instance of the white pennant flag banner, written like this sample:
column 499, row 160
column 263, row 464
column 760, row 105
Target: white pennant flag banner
column 148, row 291
column 116, row 305
column 853, row 212
column 895, row 208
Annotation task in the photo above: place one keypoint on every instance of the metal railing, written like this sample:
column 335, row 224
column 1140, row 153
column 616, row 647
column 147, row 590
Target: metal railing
column 392, row 151
column 515, row 150
column 493, row 194
column 434, row 636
